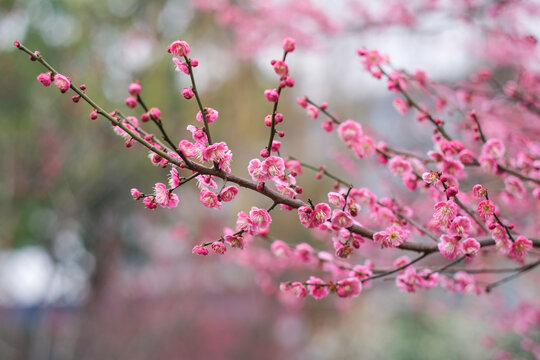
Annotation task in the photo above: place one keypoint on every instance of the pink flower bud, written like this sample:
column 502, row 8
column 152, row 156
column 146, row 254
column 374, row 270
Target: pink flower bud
column 198, row 249
column 75, row 98
column 187, row 93
column 194, row 62
column 268, row 120
column 44, row 79
column 312, row 111
column 155, row 112
column 264, row 153
column 145, row 117
column 289, row 44
column 276, row 144
column 302, row 101
column 327, row 126
column 134, row 88
column 93, row 114
column 136, row 194
column 150, row 202
column 271, row 95
column 451, row 191
column 131, row 102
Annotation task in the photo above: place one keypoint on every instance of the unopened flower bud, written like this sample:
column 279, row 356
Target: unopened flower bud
column 451, row 191
column 187, row 93
column 134, row 88
column 264, row 153
column 131, row 102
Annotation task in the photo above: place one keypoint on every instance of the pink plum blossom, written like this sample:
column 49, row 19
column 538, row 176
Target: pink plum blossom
column 198, row 134
column 298, row 289
column 289, row 44
column 219, row 247
column 445, row 212
column 136, row 194
column 281, row 68
column 493, row 148
column 479, row 191
column 211, row 115
column 431, row 177
column 409, row 280
column 44, row 79
column 350, row 132
column 304, row 252
column 62, row 82
column 179, row 48
column 271, row 95
column 348, row 288
column 228, row 193
column 341, row 218
column 260, row 217
column 399, row 166
column 400, row 105
column 336, row 199
column 280, row 249
column 520, row 247
column 198, row 249
column 273, row 166
column 187, row 93
column 449, row 246
column 460, row 226
column 317, row 288
column 470, row 247
column 209, row 199
column 312, row 111
column 391, row 237
column 180, row 66
column 174, row 178
column 364, row 147
column 164, row 197
column 486, row 208
column 401, row 261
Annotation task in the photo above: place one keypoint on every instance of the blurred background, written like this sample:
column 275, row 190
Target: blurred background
column 87, row 273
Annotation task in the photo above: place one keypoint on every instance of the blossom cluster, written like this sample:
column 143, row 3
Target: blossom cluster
column 453, row 221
